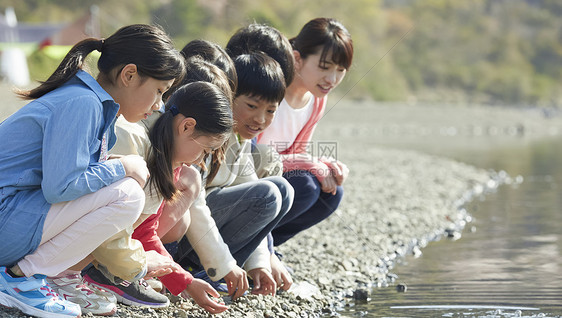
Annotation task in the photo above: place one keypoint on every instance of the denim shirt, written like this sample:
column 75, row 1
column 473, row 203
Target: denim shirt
column 50, row 152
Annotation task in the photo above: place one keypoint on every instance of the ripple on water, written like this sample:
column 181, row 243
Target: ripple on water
column 480, row 311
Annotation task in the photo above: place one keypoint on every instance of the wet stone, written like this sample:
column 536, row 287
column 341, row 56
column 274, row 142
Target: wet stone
column 361, row 294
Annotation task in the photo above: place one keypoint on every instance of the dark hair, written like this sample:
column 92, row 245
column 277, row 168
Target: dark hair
column 213, row 53
column 210, row 108
column 325, row 35
column 146, row 46
column 260, row 76
column 267, row 39
column 202, row 70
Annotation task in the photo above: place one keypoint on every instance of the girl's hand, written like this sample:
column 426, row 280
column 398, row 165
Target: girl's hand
column 200, row 290
column 159, row 265
column 264, row 283
column 280, row 274
column 135, row 167
column 236, row 282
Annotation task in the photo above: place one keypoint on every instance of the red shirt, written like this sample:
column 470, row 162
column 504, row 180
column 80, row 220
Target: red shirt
column 175, row 282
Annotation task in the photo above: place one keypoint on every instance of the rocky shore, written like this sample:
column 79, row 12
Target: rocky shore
column 396, row 201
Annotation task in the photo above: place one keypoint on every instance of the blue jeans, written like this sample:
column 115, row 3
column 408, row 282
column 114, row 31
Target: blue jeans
column 244, row 214
column 310, row 206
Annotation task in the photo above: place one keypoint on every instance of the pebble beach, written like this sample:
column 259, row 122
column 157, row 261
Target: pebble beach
column 396, row 200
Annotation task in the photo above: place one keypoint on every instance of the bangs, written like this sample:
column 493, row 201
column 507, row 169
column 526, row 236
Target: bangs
column 341, row 53
column 266, row 88
column 260, row 76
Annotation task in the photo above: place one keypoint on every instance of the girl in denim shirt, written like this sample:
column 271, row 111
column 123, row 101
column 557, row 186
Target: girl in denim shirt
column 61, row 195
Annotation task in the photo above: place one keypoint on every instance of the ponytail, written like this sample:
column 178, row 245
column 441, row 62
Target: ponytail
column 146, row 46
column 159, row 161
column 71, row 63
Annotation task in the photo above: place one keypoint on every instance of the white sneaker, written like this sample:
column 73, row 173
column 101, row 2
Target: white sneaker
column 33, row 296
column 91, row 300
column 155, row 283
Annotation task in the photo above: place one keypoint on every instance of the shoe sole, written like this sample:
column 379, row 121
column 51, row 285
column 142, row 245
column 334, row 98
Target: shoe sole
column 126, row 299
column 110, row 313
column 10, row 301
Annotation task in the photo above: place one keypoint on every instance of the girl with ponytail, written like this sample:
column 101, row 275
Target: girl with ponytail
column 61, row 195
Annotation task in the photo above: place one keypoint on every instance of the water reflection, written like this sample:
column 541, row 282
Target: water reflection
column 508, row 262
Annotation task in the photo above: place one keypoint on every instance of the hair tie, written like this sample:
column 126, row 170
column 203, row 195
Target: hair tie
column 101, row 44
column 174, row 110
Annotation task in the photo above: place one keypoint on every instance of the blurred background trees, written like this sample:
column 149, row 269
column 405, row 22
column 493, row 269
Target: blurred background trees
column 484, row 51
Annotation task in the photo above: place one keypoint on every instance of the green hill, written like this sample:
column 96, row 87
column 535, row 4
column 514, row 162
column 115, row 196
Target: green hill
column 486, row 51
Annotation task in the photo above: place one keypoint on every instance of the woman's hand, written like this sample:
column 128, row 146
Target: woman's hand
column 135, row 167
column 329, row 185
column 280, row 273
column 337, row 169
column 200, row 290
column 236, row 282
column 341, row 172
column 264, row 283
column 159, row 265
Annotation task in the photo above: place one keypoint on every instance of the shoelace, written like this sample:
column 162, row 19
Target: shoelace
column 92, row 286
column 83, row 287
column 50, row 292
column 143, row 283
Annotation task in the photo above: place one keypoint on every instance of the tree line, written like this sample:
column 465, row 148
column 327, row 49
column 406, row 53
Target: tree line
column 488, row 51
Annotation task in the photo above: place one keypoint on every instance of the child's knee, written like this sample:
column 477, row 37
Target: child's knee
column 189, row 182
column 306, row 185
column 133, row 193
column 285, row 188
column 130, row 199
column 339, row 193
column 272, row 197
column 178, row 230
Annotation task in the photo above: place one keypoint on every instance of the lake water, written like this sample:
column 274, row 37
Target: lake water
column 508, row 261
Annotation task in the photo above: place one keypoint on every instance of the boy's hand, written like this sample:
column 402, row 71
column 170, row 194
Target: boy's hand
column 264, row 283
column 280, row 274
column 236, row 282
column 200, row 290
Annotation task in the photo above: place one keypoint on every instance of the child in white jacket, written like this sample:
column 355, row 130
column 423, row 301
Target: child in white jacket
column 245, row 208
